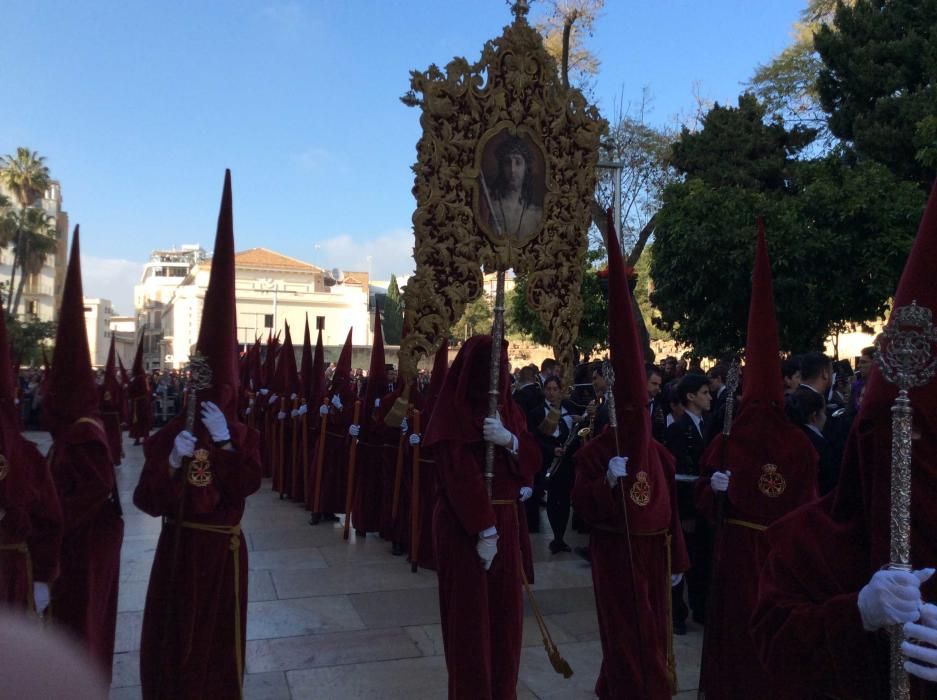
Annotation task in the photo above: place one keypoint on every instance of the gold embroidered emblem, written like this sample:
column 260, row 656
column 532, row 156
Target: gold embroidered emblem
column 200, row 469
column 772, row 483
column 4, row 467
column 641, row 490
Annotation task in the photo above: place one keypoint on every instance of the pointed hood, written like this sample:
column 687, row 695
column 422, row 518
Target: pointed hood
column 762, row 348
column 627, row 359
column 305, row 366
column 124, row 379
column 72, row 393
column 436, row 380
column 341, row 378
column 287, row 376
column 111, row 389
column 269, row 369
column 318, row 371
column 217, row 337
column 139, row 385
column 137, row 368
column 377, row 373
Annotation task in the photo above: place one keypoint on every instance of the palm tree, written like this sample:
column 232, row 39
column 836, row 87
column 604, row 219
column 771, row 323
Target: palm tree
column 34, row 242
column 26, row 176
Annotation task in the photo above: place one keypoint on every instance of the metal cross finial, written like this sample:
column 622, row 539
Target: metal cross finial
column 904, row 350
column 520, row 8
column 200, row 374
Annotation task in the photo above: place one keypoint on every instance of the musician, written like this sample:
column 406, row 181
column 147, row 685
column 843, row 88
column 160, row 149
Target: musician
column 553, row 424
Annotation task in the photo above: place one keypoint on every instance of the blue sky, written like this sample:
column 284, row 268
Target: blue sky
column 139, row 106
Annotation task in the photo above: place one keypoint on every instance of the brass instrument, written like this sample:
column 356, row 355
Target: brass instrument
column 583, row 433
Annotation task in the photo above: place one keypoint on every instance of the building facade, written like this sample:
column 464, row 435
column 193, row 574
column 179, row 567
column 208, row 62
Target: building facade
column 270, row 289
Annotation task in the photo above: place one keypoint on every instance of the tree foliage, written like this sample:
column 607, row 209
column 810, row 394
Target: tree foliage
column 27, row 337
column 838, row 233
column 475, row 319
column 392, row 314
column 878, row 83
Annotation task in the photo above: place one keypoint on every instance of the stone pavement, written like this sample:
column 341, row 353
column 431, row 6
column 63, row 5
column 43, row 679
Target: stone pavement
column 335, row 619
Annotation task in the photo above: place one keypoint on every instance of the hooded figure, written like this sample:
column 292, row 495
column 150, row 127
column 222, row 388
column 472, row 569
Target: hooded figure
column 84, row 599
column 477, row 537
column 765, row 469
column 339, row 412
column 422, row 554
column 141, row 406
column 313, row 379
column 824, row 599
column 624, row 489
column 30, row 515
column 111, row 392
column 197, row 477
column 373, row 442
column 286, row 479
column 268, row 403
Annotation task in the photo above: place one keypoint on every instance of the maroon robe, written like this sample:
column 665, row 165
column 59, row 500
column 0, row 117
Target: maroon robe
column 636, row 644
column 481, row 611
column 369, row 474
column 141, row 408
column 806, row 624
column 110, row 403
column 774, row 470
column 335, row 459
column 31, row 530
column 84, row 599
column 189, row 650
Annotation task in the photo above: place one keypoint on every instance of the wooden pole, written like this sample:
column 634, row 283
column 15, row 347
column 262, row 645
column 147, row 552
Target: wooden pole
column 415, row 504
column 352, row 463
column 320, row 455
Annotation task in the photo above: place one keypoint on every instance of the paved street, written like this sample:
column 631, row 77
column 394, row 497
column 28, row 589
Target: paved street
column 335, row 619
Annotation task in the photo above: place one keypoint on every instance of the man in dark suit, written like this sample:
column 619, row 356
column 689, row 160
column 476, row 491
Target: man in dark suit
column 684, row 439
column 527, row 392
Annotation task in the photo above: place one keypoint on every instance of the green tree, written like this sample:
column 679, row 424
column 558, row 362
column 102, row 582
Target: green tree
column 878, row 83
column 26, row 176
column 27, row 338
column 476, row 319
column 392, row 318
column 838, row 234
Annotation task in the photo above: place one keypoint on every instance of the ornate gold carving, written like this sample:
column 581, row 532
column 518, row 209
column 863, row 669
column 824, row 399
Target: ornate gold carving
column 473, row 116
column 4, row 467
column 200, row 469
column 641, row 489
column 772, row 483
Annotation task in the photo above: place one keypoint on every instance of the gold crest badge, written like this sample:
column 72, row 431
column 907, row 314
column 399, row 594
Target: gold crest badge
column 772, row 483
column 641, row 490
column 200, row 469
column 4, row 467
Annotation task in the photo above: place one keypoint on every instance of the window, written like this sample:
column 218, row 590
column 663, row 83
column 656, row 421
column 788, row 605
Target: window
column 268, row 320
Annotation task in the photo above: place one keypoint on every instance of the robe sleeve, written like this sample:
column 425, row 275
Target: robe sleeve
column 85, row 481
column 238, row 472
column 591, row 496
column 45, row 540
column 460, row 476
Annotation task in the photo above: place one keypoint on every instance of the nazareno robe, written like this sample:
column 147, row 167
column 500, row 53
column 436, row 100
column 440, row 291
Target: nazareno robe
column 481, row 611
column 774, row 470
column 369, row 474
column 636, row 643
column 111, row 417
column 806, row 624
column 31, row 530
column 335, row 459
column 84, row 599
column 141, row 408
column 191, row 646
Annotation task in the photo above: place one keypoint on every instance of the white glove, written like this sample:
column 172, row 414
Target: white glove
column 353, row 430
column 281, row 415
column 41, row 596
column 303, row 410
column 247, row 411
column 214, row 421
column 414, row 439
column 263, row 392
column 250, row 401
column 404, row 426
column 183, row 446
column 494, row 431
column 323, row 410
column 487, row 547
column 617, row 469
column 293, row 396
column 720, row 481
column 919, row 645
column 337, row 402
column 675, row 580
column 272, row 400
column 526, row 492
column 294, row 413
column 377, row 403
column 892, row 598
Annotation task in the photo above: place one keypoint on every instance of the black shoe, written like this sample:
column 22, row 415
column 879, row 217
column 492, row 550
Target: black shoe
column 679, row 628
column 559, row 546
column 315, row 518
column 361, row 534
column 330, row 518
column 584, row 553
column 397, row 549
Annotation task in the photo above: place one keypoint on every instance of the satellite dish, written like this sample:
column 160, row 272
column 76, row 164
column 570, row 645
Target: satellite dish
column 334, row 277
